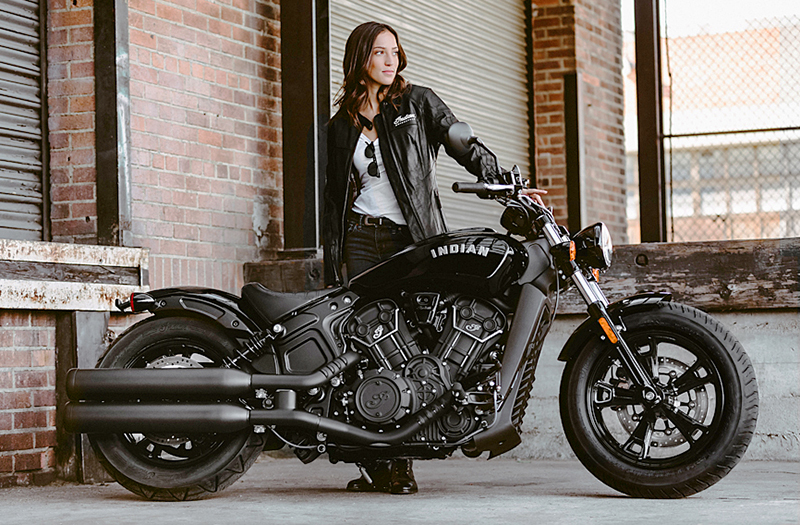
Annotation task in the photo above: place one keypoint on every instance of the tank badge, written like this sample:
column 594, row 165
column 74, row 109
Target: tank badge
column 452, row 249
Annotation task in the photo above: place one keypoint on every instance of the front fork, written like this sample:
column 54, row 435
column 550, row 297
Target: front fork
column 597, row 302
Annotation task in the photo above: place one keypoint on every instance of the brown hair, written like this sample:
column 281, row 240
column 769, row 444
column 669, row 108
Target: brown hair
column 357, row 53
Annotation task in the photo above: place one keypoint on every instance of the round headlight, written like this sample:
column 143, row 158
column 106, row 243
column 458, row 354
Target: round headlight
column 593, row 246
column 605, row 244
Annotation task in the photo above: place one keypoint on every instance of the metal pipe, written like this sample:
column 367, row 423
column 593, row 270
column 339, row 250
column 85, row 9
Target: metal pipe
column 192, row 383
column 92, row 417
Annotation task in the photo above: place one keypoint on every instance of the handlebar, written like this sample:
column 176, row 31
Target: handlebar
column 484, row 190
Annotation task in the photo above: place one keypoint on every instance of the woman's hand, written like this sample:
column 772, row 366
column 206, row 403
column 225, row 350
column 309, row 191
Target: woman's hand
column 535, row 194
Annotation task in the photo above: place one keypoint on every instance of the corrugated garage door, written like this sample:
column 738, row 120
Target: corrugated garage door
column 20, row 121
column 472, row 54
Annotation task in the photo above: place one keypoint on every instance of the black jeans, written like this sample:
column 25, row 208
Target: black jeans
column 365, row 246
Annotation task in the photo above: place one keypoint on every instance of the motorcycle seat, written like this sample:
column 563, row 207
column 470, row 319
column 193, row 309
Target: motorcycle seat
column 273, row 305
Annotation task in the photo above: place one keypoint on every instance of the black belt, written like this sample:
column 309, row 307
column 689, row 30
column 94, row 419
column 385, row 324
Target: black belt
column 368, row 220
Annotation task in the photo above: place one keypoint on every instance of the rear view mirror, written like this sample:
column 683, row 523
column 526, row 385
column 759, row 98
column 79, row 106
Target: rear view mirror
column 460, row 137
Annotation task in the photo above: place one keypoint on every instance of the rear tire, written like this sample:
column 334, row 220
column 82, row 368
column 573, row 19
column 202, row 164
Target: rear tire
column 682, row 445
column 170, row 467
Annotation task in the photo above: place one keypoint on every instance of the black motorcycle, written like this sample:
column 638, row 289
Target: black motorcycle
column 430, row 351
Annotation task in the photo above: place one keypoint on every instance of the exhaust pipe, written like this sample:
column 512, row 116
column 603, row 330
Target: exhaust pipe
column 99, row 384
column 109, row 418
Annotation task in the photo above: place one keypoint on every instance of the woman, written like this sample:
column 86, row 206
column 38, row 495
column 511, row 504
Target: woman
column 380, row 188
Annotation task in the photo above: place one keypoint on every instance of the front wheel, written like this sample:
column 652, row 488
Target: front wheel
column 687, row 441
column 161, row 466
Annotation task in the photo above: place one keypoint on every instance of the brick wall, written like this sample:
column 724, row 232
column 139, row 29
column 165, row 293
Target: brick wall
column 27, row 397
column 70, row 99
column 206, row 174
column 27, row 338
column 206, row 137
column 598, row 46
column 580, row 36
column 553, row 57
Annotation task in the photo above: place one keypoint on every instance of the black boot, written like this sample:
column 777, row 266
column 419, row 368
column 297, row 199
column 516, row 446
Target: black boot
column 402, row 478
column 375, row 477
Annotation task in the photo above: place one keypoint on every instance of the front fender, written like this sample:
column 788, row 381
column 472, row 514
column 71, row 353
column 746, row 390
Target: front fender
column 617, row 310
column 221, row 308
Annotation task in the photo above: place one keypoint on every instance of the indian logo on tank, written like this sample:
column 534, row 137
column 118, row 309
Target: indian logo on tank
column 452, row 249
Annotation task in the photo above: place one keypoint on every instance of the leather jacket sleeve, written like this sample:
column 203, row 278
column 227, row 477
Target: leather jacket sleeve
column 439, row 119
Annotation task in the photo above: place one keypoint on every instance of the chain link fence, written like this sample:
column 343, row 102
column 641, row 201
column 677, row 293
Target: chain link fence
column 732, row 132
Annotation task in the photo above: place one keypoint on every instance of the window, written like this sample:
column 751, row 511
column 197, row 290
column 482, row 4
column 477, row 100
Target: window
column 741, row 161
column 713, row 202
column 682, row 205
column 744, row 201
column 774, row 198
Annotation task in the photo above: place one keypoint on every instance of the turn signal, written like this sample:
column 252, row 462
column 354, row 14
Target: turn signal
column 572, row 250
column 607, row 329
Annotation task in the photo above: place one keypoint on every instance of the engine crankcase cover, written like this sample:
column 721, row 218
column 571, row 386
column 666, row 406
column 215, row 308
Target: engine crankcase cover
column 429, row 378
column 384, row 397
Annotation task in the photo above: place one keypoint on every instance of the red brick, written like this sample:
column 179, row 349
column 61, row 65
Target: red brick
column 43, row 358
column 12, row 358
column 12, row 318
column 71, row 18
column 48, row 462
column 81, row 34
column 24, row 462
column 6, row 421
column 30, row 379
column 28, row 338
column 46, row 438
column 81, row 104
column 82, row 192
column 44, row 398
column 15, row 399
column 30, row 419
column 22, row 441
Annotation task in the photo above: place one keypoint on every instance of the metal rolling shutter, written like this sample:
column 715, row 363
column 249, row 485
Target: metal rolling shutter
column 21, row 200
column 472, row 54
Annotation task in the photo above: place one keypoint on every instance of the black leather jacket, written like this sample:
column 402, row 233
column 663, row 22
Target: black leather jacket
column 410, row 135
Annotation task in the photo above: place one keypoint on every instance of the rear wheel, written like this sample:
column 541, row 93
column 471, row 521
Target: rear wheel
column 683, row 443
column 166, row 466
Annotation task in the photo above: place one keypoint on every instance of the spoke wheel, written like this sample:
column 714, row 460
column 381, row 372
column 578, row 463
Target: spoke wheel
column 687, row 439
column 166, row 466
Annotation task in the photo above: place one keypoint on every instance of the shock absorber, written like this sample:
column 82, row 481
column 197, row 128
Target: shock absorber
column 254, row 347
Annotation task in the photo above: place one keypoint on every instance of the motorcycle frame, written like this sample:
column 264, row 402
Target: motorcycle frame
column 534, row 312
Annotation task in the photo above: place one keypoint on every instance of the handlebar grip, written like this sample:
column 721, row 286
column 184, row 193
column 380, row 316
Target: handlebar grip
column 469, row 187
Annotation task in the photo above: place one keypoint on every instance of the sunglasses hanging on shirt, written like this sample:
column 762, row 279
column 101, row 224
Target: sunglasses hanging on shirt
column 372, row 169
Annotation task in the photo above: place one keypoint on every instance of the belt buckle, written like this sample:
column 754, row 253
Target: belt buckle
column 372, row 221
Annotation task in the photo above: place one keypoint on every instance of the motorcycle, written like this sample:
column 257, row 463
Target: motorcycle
column 431, row 351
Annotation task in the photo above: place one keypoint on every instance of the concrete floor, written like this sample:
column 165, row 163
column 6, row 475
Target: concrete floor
column 451, row 491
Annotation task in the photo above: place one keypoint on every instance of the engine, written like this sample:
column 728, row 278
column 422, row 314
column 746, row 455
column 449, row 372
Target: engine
column 416, row 353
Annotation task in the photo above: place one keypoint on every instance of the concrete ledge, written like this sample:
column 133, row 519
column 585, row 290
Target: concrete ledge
column 771, row 339
column 58, row 276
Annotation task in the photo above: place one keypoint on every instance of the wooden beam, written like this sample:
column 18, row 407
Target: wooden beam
column 715, row 276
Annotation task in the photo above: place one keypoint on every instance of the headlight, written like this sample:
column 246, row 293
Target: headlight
column 593, row 247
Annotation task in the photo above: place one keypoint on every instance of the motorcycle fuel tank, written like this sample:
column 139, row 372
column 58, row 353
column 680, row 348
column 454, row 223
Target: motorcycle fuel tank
column 479, row 261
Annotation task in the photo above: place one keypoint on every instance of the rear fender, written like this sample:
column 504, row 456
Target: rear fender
column 590, row 329
column 221, row 308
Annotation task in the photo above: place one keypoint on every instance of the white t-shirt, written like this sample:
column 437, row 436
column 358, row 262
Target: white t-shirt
column 377, row 197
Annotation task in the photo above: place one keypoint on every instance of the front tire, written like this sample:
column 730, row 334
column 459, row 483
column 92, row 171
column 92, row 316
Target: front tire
column 682, row 445
column 167, row 467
